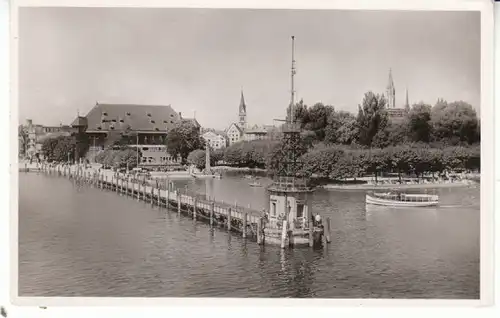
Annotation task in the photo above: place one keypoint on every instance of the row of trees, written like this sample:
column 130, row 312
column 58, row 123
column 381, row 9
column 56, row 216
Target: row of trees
column 446, row 123
column 65, row 148
column 118, row 158
column 339, row 162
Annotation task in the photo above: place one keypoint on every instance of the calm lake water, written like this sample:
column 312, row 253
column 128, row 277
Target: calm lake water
column 80, row 241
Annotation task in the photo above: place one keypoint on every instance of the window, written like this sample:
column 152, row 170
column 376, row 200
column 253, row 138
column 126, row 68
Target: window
column 300, row 210
column 171, row 115
column 152, row 121
column 171, row 121
column 156, row 128
column 122, row 121
column 149, row 114
column 113, row 120
column 112, row 127
column 105, row 114
column 164, row 121
column 128, row 114
column 273, row 208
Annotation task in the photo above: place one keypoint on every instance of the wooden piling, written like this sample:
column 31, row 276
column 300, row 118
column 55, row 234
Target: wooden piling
column 284, row 233
column 127, row 189
column 194, row 208
column 244, row 224
column 229, row 219
column 311, row 235
column 212, row 207
column 179, row 203
column 106, row 182
column 167, row 188
column 152, row 193
column 138, row 191
column 259, row 232
column 159, row 195
column 328, row 228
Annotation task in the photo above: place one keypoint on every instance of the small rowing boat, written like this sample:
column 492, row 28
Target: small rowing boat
column 402, row 200
column 255, row 184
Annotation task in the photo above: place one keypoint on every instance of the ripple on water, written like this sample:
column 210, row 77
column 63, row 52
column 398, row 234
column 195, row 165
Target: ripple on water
column 80, row 241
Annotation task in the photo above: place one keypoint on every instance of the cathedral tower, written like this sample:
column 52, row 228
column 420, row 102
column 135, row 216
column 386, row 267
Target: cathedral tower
column 242, row 112
column 391, row 92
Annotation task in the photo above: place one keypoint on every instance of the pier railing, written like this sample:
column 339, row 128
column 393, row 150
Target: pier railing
column 244, row 220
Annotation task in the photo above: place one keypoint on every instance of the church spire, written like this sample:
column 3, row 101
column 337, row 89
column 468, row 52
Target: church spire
column 242, row 111
column 243, row 106
column 391, row 92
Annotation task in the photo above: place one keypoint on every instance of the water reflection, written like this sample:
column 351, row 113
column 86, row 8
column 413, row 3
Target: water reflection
column 95, row 243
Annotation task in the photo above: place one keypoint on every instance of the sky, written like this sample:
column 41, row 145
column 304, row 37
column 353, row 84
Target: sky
column 199, row 60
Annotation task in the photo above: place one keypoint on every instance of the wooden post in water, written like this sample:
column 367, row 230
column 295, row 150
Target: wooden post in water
column 126, row 190
column 328, row 230
column 194, row 208
column 138, row 191
column 159, row 195
column 229, row 219
column 259, row 231
column 179, row 203
column 311, row 235
column 212, row 207
column 167, row 188
column 284, row 233
column 106, row 182
column 152, row 192
column 244, row 224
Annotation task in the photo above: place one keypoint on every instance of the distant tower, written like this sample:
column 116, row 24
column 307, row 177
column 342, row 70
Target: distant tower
column 242, row 112
column 391, row 92
column 407, row 103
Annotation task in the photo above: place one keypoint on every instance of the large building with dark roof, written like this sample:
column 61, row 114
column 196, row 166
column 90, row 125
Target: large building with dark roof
column 142, row 125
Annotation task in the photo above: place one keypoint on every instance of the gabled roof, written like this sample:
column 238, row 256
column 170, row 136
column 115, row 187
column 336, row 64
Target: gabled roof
column 79, row 121
column 237, row 127
column 120, row 117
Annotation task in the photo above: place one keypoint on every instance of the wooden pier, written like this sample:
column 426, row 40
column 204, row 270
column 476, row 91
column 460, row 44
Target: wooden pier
column 245, row 221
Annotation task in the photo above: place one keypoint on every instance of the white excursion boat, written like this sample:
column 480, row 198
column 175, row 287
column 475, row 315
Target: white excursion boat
column 402, row 200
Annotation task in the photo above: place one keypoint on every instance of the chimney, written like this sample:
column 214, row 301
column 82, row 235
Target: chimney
column 29, row 122
column 180, row 115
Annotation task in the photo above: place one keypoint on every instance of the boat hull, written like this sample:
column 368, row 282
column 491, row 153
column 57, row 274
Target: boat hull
column 379, row 201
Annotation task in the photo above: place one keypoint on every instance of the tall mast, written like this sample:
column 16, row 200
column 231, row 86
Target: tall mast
column 292, row 100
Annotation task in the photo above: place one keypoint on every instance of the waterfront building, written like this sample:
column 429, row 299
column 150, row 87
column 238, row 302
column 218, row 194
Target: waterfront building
column 136, row 125
column 395, row 113
column 263, row 132
column 37, row 134
column 216, row 139
column 234, row 133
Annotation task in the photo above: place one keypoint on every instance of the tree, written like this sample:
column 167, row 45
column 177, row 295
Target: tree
column 455, row 122
column 419, row 123
column 341, row 128
column 64, row 149
column 48, row 147
column 318, row 119
column 197, row 158
column 23, row 136
column 301, row 113
column 183, row 138
column 372, row 117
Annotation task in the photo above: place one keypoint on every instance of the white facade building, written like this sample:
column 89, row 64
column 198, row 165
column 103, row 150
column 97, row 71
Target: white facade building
column 216, row 140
